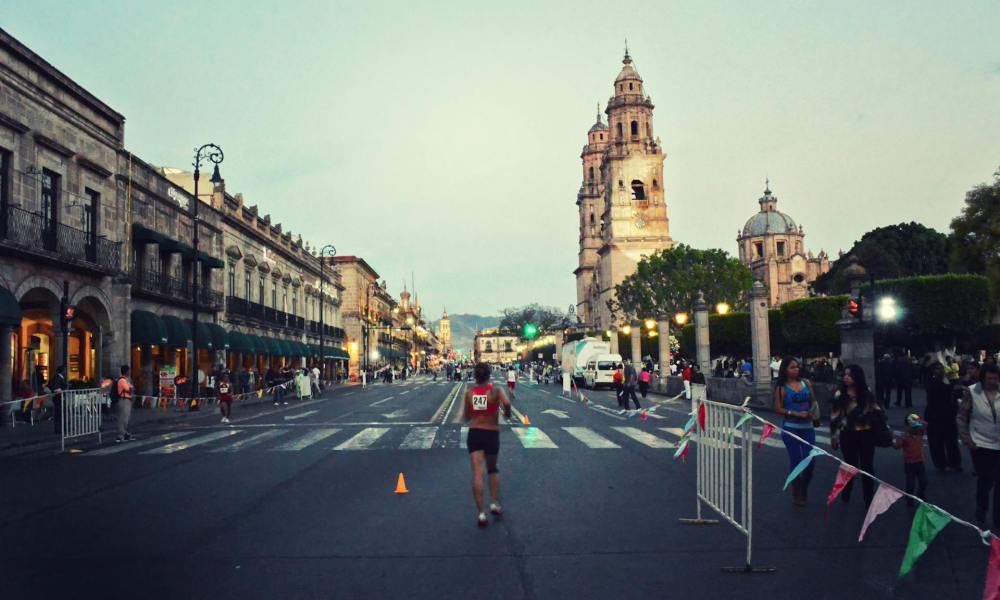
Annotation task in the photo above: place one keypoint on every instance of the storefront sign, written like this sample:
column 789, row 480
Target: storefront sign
column 168, row 375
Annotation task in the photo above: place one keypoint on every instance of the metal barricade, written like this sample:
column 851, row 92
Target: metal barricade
column 81, row 414
column 724, row 470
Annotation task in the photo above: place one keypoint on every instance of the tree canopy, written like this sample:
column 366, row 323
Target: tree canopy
column 975, row 235
column 547, row 318
column 904, row 250
column 668, row 282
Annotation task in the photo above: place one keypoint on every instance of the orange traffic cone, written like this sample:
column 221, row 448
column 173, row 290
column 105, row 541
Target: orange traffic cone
column 643, row 416
column 401, row 485
column 525, row 420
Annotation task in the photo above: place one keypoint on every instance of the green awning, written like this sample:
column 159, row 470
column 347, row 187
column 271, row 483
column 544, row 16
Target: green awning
column 297, row 349
column 220, row 339
column 260, row 347
column 10, row 310
column 147, row 328
column 340, row 353
column 178, row 332
column 204, row 335
column 331, row 351
column 241, row 342
column 274, row 348
column 307, row 350
column 210, row 261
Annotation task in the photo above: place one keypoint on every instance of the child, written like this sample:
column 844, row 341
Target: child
column 912, row 443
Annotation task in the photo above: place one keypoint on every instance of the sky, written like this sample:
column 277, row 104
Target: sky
column 442, row 139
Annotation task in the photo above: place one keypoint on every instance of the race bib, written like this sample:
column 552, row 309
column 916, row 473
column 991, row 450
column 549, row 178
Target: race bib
column 480, row 402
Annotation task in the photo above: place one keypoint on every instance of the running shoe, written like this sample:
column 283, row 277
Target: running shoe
column 284, row 402
column 495, row 509
column 482, row 520
column 275, row 403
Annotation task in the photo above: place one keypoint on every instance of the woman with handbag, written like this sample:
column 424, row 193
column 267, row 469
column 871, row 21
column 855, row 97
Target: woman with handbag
column 857, row 425
column 794, row 399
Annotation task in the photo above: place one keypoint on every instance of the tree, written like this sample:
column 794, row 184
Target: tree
column 975, row 235
column 547, row 318
column 904, row 250
column 668, row 282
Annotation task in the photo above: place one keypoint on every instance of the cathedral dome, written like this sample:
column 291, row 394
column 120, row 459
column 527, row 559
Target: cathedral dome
column 769, row 220
column 628, row 72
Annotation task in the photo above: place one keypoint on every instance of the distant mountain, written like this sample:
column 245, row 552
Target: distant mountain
column 463, row 328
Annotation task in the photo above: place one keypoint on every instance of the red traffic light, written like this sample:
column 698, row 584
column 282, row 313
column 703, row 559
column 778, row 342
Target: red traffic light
column 69, row 313
column 854, row 307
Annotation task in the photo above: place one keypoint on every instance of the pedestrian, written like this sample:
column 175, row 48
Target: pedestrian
column 794, row 399
column 978, row 429
column 631, row 378
column 314, row 381
column 902, row 374
column 775, row 366
column 482, row 412
column 58, row 384
column 644, row 381
column 686, row 378
column 912, row 444
column 883, row 380
column 244, row 381
column 855, row 421
column 697, row 377
column 225, row 387
column 511, row 379
column 125, row 390
column 618, row 382
column 940, row 414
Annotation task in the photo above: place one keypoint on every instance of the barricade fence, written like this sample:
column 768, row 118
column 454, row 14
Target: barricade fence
column 81, row 413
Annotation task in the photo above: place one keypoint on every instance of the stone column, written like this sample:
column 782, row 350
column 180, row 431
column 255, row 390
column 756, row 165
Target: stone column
column 663, row 326
column 761, row 344
column 636, row 339
column 857, row 339
column 148, row 376
column 5, row 357
column 703, row 353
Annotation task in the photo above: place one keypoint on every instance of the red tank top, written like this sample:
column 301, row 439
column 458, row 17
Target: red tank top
column 481, row 404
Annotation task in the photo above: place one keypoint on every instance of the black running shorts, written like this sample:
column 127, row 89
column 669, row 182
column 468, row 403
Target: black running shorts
column 484, row 439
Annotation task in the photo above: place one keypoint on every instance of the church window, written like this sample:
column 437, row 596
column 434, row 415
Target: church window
column 799, row 278
column 602, row 136
column 591, row 174
column 759, row 247
column 619, row 125
column 781, row 248
column 630, row 87
column 654, row 184
column 638, row 190
column 635, row 128
column 620, row 87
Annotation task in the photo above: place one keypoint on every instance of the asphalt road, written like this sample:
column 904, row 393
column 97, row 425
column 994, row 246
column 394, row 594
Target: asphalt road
column 297, row 501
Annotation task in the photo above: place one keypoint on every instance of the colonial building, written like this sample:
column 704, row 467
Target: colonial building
column 623, row 214
column 773, row 246
column 61, row 226
column 368, row 310
column 492, row 346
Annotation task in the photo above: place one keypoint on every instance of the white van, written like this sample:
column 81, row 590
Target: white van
column 601, row 369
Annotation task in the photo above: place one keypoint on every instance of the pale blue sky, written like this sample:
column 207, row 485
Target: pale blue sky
column 444, row 137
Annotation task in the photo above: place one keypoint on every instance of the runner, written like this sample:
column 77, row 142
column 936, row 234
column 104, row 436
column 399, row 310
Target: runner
column 511, row 378
column 225, row 397
column 482, row 410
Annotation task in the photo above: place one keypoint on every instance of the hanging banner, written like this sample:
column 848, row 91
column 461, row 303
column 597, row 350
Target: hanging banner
column 885, row 495
column 927, row 523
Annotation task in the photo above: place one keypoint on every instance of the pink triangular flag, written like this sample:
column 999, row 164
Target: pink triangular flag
column 768, row 430
column 992, row 591
column 885, row 495
column 844, row 475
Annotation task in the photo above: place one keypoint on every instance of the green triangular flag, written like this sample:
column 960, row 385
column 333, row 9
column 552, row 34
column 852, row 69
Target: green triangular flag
column 927, row 523
column 746, row 417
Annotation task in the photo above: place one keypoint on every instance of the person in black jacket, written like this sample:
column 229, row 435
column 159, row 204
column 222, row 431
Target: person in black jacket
column 942, row 431
column 58, row 384
column 902, row 373
column 883, row 381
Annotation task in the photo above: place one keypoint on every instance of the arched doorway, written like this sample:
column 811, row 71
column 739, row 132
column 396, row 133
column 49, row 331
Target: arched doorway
column 38, row 344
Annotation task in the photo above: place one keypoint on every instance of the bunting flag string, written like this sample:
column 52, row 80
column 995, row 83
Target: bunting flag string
column 992, row 588
column 682, row 449
column 746, row 417
column 768, row 430
column 927, row 523
column 844, row 475
column 802, row 466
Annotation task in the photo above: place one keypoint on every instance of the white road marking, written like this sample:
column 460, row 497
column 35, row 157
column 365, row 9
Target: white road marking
column 363, row 439
column 307, row 440
column 381, row 401
column 463, row 435
column 301, row 415
column 166, row 437
column 192, row 442
column 419, row 438
column 404, row 393
column 644, row 438
column 250, row 441
column 590, row 438
column 555, row 413
column 533, row 437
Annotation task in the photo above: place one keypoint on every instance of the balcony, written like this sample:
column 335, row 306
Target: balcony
column 165, row 287
column 251, row 310
column 33, row 234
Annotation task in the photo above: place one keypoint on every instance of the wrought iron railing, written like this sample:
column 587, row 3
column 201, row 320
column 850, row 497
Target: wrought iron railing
column 176, row 289
column 33, row 232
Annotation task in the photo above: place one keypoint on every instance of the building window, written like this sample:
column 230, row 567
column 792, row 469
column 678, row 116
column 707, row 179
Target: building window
column 619, row 128
column 591, row 174
column 638, row 190
column 260, row 290
column 602, row 136
column 284, row 299
column 91, row 208
column 649, row 131
column 759, row 248
column 630, row 87
column 489, row 346
column 635, row 128
column 274, row 294
column 295, row 301
column 4, row 181
column 50, row 197
column 655, row 185
column 507, row 346
column 232, row 279
column 781, row 248
column 246, row 284
column 799, row 278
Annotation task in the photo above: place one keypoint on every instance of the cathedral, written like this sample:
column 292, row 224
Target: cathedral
column 623, row 214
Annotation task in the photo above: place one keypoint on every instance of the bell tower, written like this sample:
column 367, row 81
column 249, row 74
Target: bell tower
column 634, row 212
column 590, row 201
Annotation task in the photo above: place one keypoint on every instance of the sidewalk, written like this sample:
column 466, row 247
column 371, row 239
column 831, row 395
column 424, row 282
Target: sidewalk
column 42, row 432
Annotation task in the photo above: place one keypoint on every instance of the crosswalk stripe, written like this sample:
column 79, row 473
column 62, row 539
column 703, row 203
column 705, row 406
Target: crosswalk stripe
column 463, row 436
column 533, row 437
column 363, row 439
column 419, row 438
column 191, row 442
column 590, row 438
column 166, row 437
column 307, row 440
column 250, row 441
column 644, row 438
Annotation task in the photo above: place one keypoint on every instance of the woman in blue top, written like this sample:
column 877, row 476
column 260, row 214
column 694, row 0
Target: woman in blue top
column 794, row 400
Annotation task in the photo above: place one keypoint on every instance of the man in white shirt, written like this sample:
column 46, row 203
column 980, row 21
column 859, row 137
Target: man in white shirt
column 511, row 379
column 775, row 366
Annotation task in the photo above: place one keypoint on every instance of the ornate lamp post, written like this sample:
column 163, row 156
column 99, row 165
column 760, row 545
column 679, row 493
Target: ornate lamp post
column 212, row 153
column 325, row 251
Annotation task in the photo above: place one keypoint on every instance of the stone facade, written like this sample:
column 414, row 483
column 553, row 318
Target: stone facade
column 772, row 245
column 367, row 309
column 492, row 346
column 623, row 213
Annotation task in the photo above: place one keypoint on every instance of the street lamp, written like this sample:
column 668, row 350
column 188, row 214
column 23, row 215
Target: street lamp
column 331, row 251
column 681, row 318
column 722, row 308
column 650, row 324
column 886, row 310
column 627, row 329
column 212, row 153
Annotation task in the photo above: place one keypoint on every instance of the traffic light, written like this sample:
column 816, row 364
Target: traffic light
column 854, row 308
column 530, row 330
column 67, row 314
